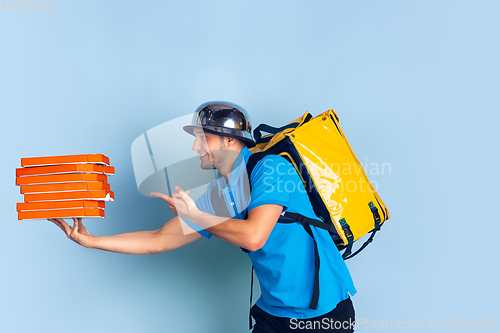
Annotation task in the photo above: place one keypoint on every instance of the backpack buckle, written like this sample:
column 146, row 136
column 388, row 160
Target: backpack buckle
column 301, row 219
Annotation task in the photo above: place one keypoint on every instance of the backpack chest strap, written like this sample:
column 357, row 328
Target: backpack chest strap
column 293, row 217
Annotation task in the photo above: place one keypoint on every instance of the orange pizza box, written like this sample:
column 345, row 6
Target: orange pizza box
column 63, row 178
column 63, row 187
column 63, row 213
column 74, row 195
column 67, row 159
column 27, row 206
column 68, row 168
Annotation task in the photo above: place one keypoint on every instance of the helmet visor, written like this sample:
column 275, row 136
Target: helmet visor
column 162, row 158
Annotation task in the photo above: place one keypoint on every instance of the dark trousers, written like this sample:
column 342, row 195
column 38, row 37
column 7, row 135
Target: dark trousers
column 339, row 320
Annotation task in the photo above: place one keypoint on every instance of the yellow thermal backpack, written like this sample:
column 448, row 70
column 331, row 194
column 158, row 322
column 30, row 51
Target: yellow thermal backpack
column 339, row 190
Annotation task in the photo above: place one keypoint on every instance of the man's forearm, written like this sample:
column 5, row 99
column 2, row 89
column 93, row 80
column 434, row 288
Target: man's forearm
column 137, row 242
column 251, row 233
column 236, row 232
column 169, row 237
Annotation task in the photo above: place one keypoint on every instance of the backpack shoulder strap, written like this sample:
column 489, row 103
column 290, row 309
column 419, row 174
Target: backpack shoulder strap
column 274, row 130
column 270, row 129
column 255, row 158
column 295, row 218
column 252, row 162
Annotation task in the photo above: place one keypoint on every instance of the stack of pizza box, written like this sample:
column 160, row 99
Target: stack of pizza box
column 64, row 186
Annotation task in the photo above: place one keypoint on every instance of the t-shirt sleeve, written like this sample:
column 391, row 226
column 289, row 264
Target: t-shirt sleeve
column 273, row 178
column 203, row 204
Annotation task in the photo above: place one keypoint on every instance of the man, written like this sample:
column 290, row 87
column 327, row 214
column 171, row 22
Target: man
column 282, row 254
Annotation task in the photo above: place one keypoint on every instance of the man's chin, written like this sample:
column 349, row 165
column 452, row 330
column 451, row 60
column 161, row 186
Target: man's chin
column 207, row 167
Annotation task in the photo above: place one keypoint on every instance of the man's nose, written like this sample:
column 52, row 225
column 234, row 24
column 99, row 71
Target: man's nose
column 195, row 145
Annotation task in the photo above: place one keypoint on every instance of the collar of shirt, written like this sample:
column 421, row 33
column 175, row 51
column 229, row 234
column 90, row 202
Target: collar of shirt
column 236, row 172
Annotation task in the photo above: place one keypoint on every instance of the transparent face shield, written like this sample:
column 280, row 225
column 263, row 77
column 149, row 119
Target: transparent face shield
column 163, row 158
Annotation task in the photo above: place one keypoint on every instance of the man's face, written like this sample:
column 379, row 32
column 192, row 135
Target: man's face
column 211, row 148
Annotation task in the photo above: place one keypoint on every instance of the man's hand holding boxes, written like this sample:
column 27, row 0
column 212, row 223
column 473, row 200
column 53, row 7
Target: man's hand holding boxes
column 64, row 186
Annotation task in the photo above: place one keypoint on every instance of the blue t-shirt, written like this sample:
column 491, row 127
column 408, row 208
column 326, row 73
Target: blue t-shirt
column 285, row 264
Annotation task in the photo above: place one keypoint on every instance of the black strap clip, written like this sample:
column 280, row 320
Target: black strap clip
column 301, row 219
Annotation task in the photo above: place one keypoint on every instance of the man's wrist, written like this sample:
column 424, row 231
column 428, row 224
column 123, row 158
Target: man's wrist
column 206, row 220
column 196, row 217
column 91, row 240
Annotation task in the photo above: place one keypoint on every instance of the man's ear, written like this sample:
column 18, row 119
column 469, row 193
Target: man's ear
column 230, row 141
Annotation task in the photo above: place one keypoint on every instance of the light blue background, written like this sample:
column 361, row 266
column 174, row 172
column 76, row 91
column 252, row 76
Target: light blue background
column 415, row 83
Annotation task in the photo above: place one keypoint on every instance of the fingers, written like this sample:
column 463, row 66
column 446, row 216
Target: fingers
column 157, row 195
column 63, row 225
column 162, row 196
column 171, row 200
column 81, row 227
column 181, row 193
column 178, row 195
column 77, row 223
column 173, row 209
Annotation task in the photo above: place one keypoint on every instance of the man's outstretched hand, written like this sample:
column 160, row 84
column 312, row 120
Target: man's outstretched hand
column 180, row 203
column 78, row 233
